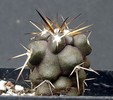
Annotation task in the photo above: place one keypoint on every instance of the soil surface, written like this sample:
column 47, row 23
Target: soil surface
column 102, row 85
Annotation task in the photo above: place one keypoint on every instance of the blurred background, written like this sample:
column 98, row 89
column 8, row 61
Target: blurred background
column 14, row 23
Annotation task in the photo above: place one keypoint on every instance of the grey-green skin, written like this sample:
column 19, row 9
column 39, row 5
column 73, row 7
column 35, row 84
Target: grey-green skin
column 86, row 63
column 49, row 62
column 49, row 67
column 35, row 77
column 82, row 75
column 82, row 43
column 43, row 90
column 38, row 49
column 42, row 37
column 69, row 57
column 69, row 40
column 73, row 92
column 63, row 83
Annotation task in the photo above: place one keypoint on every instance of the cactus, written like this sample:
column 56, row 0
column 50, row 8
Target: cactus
column 57, row 57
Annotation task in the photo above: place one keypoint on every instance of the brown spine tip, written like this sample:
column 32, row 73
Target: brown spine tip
column 46, row 21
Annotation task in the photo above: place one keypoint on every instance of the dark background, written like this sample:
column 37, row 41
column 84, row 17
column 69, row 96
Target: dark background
column 14, row 22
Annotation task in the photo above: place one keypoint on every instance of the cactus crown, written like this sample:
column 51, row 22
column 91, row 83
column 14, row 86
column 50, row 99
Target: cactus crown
column 59, row 31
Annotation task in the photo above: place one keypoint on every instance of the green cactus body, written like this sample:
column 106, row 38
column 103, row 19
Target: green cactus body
column 56, row 54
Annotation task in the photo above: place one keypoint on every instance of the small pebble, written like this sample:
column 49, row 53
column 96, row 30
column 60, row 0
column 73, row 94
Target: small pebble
column 18, row 88
column 9, row 85
column 2, row 85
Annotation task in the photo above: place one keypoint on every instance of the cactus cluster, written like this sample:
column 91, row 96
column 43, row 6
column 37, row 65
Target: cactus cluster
column 57, row 57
